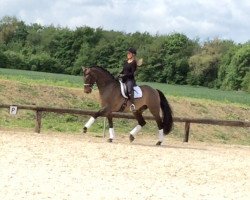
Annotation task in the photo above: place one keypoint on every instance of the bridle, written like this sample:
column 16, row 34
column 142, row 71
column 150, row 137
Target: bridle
column 89, row 84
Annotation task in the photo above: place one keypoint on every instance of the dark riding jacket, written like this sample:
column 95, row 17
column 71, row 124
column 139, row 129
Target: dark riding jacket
column 128, row 71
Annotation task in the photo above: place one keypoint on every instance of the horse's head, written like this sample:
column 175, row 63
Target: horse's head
column 89, row 80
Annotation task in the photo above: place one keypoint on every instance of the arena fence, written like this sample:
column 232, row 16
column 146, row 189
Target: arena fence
column 39, row 110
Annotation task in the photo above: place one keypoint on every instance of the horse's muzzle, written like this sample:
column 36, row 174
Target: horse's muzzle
column 87, row 90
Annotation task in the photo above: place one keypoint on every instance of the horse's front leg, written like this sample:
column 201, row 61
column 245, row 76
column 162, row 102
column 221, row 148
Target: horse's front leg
column 92, row 119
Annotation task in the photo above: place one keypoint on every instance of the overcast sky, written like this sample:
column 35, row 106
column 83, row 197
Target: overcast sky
column 205, row 19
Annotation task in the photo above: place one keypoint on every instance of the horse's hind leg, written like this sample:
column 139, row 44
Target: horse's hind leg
column 141, row 123
column 160, row 129
column 156, row 113
column 111, row 129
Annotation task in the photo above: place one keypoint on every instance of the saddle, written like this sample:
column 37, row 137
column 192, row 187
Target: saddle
column 124, row 91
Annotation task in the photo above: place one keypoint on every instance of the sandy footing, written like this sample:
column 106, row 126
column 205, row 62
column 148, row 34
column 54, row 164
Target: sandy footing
column 54, row 166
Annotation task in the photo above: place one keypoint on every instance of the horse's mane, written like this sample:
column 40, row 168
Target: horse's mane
column 104, row 70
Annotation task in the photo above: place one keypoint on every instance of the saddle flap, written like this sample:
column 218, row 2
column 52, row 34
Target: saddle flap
column 137, row 91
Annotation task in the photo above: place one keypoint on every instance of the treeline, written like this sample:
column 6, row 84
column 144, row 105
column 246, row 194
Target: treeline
column 172, row 58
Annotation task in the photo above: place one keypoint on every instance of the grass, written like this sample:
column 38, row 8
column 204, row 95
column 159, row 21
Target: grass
column 73, row 124
column 198, row 92
column 31, row 77
column 30, row 88
column 41, row 78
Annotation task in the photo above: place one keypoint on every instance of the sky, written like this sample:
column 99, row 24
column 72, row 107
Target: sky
column 203, row 19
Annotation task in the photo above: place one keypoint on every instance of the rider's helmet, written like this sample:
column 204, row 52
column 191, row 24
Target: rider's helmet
column 132, row 50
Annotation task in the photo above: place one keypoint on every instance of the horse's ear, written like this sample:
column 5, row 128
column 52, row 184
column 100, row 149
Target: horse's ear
column 84, row 69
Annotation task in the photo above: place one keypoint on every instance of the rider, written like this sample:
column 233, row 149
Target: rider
column 127, row 74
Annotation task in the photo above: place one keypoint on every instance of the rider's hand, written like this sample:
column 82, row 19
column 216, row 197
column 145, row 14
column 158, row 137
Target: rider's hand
column 121, row 76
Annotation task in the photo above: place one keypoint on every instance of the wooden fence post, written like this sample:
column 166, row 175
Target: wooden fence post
column 187, row 128
column 38, row 121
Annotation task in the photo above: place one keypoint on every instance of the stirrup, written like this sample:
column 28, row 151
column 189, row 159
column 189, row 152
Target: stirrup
column 132, row 107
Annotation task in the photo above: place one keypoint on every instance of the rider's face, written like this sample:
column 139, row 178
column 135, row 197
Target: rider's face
column 129, row 55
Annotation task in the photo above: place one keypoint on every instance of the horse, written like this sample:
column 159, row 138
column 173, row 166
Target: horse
column 113, row 101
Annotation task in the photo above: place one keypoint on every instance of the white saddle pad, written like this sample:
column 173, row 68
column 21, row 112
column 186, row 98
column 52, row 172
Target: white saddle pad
column 137, row 91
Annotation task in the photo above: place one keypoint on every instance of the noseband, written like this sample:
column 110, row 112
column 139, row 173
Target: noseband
column 89, row 84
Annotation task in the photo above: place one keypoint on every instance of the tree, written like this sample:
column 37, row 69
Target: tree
column 238, row 69
column 3, row 60
column 172, row 58
column 226, row 59
column 153, row 61
column 11, row 29
column 44, row 63
column 177, row 48
column 204, row 65
column 84, row 58
column 8, row 26
column 15, row 60
column 246, row 82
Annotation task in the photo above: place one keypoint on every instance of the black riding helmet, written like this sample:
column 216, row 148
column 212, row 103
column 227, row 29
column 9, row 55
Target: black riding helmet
column 132, row 50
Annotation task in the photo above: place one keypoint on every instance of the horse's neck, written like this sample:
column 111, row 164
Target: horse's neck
column 103, row 82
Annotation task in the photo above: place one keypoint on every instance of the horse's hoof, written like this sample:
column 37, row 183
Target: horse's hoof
column 131, row 138
column 85, row 130
column 110, row 140
column 158, row 143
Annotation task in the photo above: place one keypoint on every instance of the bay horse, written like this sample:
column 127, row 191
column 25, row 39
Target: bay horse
column 112, row 101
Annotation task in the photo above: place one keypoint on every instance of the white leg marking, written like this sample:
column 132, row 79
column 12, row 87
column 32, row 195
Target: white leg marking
column 90, row 122
column 161, row 136
column 111, row 133
column 136, row 130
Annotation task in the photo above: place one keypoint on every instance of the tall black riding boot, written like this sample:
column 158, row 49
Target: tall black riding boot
column 130, row 85
column 131, row 98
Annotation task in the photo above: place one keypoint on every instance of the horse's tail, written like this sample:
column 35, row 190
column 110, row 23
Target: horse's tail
column 167, row 114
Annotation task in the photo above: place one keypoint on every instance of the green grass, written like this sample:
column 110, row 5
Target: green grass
column 41, row 78
column 238, row 97
column 31, row 77
column 73, row 123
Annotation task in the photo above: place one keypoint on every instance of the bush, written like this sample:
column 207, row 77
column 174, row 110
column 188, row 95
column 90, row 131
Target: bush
column 246, row 82
column 3, row 60
column 44, row 63
column 238, row 69
column 15, row 60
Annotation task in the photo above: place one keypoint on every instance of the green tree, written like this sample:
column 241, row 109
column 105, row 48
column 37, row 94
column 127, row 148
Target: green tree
column 172, row 58
column 153, row 61
column 238, row 69
column 8, row 26
column 226, row 59
column 3, row 60
column 44, row 63
column 246, row 82
column 15, row 60
column 177, row 49
column 11, row 29
column 204, row 65
column 84, row 58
